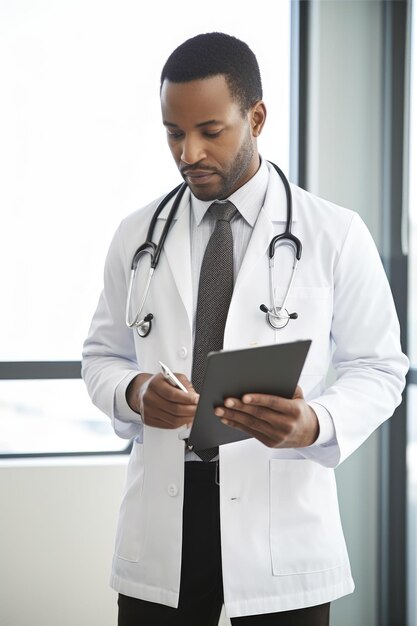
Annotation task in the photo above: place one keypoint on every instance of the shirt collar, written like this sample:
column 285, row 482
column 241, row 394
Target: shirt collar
column 248, row 199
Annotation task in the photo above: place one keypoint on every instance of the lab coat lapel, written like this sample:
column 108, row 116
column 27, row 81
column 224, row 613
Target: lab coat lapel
column 177, row 251
column 255, row 254
column 274, row 210
column 252, row 283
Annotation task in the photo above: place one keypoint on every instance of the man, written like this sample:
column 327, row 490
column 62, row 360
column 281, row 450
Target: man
column 255, row 524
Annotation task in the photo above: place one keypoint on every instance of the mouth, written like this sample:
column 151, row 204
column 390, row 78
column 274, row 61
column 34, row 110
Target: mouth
column 198, row 177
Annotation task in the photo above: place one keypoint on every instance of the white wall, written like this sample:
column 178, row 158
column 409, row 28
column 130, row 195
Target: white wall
column 57, row 527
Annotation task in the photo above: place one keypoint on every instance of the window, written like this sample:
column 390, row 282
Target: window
column 412, row 339
column 81, row 139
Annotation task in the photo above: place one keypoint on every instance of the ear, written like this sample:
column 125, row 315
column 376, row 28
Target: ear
column 257, row 117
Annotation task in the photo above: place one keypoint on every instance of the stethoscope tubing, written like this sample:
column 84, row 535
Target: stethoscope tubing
column 277, row 317
column 154, row 250
column 157, row 248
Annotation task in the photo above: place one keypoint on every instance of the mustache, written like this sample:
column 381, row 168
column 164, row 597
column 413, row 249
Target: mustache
column 185, row 170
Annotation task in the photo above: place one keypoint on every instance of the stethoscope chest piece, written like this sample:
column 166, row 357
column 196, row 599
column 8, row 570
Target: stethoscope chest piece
column 278, row 322
column 144, row 327
column 279, row 319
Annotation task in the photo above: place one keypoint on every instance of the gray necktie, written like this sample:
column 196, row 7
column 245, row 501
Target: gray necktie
column 215, row 290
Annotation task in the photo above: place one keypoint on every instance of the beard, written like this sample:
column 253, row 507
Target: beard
column 229, row 178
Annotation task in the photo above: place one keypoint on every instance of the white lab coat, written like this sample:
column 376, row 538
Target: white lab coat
column 282, row 541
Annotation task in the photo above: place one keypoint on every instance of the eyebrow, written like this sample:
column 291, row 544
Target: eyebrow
column 200, row 125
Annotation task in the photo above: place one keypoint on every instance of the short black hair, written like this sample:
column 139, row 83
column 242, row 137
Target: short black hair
column 211, row 54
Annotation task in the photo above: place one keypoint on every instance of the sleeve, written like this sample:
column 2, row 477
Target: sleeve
column 326, row 427
column 109, row 358
column 368, row 362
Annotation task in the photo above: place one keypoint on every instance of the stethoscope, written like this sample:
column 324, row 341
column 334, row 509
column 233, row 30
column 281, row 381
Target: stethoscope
column 277, row 316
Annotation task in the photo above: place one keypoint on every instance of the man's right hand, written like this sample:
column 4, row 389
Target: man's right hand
column 160, row 404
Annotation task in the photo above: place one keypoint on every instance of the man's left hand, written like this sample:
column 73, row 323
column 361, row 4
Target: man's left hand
column 275, row 421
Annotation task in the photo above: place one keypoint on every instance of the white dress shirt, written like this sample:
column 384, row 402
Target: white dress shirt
column 248, row 200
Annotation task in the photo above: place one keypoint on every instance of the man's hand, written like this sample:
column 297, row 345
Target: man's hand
column 161, row 404
column 276, row 422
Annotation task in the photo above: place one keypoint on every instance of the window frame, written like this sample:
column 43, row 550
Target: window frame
column 49, row 370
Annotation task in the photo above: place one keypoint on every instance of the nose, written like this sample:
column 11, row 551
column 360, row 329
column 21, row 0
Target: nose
column 192, row 150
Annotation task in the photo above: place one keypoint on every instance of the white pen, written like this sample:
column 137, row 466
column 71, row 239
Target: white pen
column 171, row 378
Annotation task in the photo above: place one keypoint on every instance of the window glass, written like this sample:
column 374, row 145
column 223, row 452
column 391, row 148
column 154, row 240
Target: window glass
column 412, row 503
column 44, row 416
column 82, row 145
column 412, row 190
column 412, row 337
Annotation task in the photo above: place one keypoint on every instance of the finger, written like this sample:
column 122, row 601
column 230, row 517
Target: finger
column 259, row 419
column 165, row 420
column 271, row 434
column 170, row 401
column 270, row 442
column 155, row 404
column 263, row 411
column 288, row 406
column 234, row 408
column 187, row 384
column 298, row 393
column 160, row 413
column 164, row 389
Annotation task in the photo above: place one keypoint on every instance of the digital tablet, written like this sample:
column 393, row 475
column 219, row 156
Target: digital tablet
column 273, row 369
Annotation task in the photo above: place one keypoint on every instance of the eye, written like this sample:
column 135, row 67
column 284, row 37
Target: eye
column 212, row 133
column 174, row 134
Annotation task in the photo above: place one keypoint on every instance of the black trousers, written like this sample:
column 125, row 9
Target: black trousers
column 201, row 591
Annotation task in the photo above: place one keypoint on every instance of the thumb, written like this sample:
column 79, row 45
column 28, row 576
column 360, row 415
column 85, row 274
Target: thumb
column 298, row 393
column 189, row 386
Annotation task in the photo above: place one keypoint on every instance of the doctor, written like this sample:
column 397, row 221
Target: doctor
column 257, row 527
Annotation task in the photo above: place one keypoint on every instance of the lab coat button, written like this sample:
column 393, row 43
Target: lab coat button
column 183, row 352
column 172, row 490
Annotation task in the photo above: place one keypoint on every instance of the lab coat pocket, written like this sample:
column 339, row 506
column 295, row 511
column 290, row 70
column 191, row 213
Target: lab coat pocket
column 305, row 530
column 314, row 307
column 130, row 537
